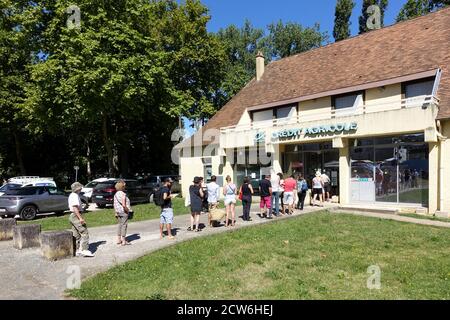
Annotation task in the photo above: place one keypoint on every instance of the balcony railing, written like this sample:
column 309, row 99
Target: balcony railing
column 328, row 114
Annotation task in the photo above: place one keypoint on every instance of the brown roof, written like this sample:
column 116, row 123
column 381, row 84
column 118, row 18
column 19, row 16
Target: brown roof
column 409, row 47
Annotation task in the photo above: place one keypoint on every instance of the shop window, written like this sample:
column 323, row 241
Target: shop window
column 418, row 89
column 263, row 115
column 284, row 112
column 347, row 101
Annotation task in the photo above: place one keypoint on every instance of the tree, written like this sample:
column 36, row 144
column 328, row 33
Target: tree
column 291, row 38
column 365, row 16
column 417, row 8
column 129, row 62
column 241, row 46
column 342, row 22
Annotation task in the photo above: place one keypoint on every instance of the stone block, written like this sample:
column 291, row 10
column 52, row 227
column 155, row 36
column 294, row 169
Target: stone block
column 27, row 236
column 57, row 245
column 7, row 229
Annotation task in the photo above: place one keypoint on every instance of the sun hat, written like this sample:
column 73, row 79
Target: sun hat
column 196, row 180
column 318, row 174
column 76, row 186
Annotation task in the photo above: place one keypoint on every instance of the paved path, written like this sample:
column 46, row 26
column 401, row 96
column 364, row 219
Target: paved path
column 395, row 217
column 26, row 275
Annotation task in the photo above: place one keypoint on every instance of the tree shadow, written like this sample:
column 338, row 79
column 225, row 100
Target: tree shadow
column 133, row 237
column 93, row 247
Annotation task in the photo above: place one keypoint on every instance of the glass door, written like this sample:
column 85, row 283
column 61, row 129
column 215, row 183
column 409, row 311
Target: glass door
column 386, row 173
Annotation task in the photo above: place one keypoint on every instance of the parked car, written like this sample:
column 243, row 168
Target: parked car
column 29, row 181
column 138, row 192
column 8, row 186
column 157, row 181
column 87, row 190
column 28, row 202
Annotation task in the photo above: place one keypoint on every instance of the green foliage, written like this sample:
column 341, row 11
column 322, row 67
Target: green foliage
column 382, row 4
column 417, row 8
column 286, row 39
column 342, row 22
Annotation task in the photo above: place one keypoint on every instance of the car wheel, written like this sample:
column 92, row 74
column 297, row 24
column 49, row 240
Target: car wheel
column 59, row 213
column 28, row 213
column 101, row 206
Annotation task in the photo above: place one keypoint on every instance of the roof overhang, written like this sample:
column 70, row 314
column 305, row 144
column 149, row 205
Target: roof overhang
column 370, row 85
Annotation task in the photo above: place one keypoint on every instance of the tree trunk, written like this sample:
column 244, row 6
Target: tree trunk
column 19, row 154
column 108, row 146
column 124, row 161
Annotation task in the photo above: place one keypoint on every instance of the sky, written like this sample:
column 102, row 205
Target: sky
column 306, row 12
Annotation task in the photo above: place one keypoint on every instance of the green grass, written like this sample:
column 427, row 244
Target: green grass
column 106, row 217
column 427, row 217
column 316, row 256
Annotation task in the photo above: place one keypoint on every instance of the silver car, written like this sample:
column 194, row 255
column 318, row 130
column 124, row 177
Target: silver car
column 28, row 202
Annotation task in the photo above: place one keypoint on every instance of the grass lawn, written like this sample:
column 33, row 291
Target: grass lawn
column 106, row 217
column 316, row 256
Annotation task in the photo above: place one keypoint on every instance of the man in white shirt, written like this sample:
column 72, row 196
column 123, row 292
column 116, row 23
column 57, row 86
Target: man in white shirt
column 79, row 228
column 276, row 191
column 213, row 195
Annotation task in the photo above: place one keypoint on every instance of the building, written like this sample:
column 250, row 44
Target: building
column 372, row 111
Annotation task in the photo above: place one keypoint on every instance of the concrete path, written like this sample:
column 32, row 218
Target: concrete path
column 26, row 275
column 395, row 217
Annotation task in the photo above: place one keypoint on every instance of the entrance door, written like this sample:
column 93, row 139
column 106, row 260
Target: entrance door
column 386, row 173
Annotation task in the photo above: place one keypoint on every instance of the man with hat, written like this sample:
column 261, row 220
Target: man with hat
column 166, row 209
column 79, row 228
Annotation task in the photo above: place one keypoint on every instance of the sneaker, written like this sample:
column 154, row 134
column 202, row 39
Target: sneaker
column 78, row 254
column 86, row 253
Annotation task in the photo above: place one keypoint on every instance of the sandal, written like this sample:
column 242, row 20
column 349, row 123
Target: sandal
column 126, row 243
column 189, row 229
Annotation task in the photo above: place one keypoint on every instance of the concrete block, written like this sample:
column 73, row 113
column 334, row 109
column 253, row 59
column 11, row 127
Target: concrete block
column 7, row 229
column 57, row 245
column 27, row 236
column 440, row 214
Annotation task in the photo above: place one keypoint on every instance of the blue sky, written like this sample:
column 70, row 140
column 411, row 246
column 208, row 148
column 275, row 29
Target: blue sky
column 306, row 12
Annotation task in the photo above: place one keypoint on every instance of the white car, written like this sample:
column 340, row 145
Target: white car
column 8, row 186
column 87, row 190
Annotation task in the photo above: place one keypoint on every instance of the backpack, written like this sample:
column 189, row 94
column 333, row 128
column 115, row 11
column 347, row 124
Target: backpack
column 158, row 197
column 304, row 186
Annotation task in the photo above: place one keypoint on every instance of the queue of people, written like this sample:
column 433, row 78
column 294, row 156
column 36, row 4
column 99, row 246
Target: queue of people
column 278, row 196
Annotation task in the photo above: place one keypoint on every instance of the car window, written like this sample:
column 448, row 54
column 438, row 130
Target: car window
column 55, row 191
column 104, row 185
column 131, row 184
column 152, row 180
column 22, row 191
column 91, row 184
column 9, row 186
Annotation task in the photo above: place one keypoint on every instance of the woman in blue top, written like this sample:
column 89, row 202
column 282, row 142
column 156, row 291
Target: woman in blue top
column 229, row 191
column 302, row 189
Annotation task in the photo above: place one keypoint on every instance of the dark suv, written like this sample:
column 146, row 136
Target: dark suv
column 103, row 193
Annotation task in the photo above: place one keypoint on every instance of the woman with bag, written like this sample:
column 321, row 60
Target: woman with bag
column 245, row 195
column 196, row 198
column 229, row 191
column 123, row 212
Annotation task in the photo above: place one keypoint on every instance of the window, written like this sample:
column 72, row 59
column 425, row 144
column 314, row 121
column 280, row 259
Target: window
column 263, row 115
column 418, row 89
column 283, row 112
column 346, row 101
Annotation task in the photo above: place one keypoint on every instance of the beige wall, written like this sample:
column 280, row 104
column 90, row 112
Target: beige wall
column 312, row 107
column 392, row 93
column 444, row 163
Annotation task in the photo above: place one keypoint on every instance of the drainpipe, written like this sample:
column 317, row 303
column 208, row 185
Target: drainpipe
column 441, row 138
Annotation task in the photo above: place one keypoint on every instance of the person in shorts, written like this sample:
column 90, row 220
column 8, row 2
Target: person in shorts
column 265, row 191
column 166, row 209
column 326, row 187
column 229, row 191
column 290, row 185
column 317, row 185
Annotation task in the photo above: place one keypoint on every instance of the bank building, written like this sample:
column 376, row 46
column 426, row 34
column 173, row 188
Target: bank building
column 372, row 112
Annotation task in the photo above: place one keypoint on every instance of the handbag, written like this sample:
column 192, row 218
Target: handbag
column 240, row 194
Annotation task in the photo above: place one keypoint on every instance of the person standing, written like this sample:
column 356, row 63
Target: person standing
column 302, row 189
column 265, row 191
column 196, row 194
column 247, row 193
column 166, row 209
column 275, row 199
column 290, row 185
column 205, row 204
column 317, row 189
column 79, row 227
column 326, row 187
column 122, row 208
column 229, row 191
column 281, row 189
column 213, row 190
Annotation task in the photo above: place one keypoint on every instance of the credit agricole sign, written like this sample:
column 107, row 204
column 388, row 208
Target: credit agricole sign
column 311, row 131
